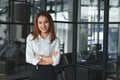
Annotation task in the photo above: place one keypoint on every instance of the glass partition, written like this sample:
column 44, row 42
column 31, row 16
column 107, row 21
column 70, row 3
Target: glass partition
column 90, row 42
column 4, row 10
column 114, row 11
column 91, row 11
column 61, row 10
column 64, row 32
column 113, row 51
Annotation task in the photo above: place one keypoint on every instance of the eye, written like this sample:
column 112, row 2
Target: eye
column 46, row 21
column 39, row 22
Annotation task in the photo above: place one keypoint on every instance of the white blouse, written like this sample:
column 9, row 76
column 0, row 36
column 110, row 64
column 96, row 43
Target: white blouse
column 43, row 47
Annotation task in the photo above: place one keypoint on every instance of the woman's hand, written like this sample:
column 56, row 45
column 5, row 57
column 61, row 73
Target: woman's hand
column 46, row 59
column 54, row 53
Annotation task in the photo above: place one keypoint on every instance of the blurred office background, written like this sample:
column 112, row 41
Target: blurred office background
column 88, row 30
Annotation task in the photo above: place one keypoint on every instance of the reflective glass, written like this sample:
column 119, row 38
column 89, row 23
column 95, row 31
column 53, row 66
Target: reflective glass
column 90, row 43
column 114, row 11
column 4, row 10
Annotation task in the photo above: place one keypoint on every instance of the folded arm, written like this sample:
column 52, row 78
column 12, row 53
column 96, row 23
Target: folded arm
column 46, row 60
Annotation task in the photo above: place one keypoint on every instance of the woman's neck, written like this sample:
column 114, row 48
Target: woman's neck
column 44, row 35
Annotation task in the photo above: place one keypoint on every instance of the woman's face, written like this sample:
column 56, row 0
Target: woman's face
column 43, row 24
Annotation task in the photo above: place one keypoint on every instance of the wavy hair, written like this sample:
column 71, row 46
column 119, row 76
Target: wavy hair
column 36, row 30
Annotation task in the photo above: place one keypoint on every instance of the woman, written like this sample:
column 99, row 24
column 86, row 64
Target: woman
column 43, row 48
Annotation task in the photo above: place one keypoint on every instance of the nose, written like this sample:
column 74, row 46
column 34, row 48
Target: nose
column 43, row 24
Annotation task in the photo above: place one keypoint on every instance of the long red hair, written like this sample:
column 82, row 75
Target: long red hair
column 36, row 30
